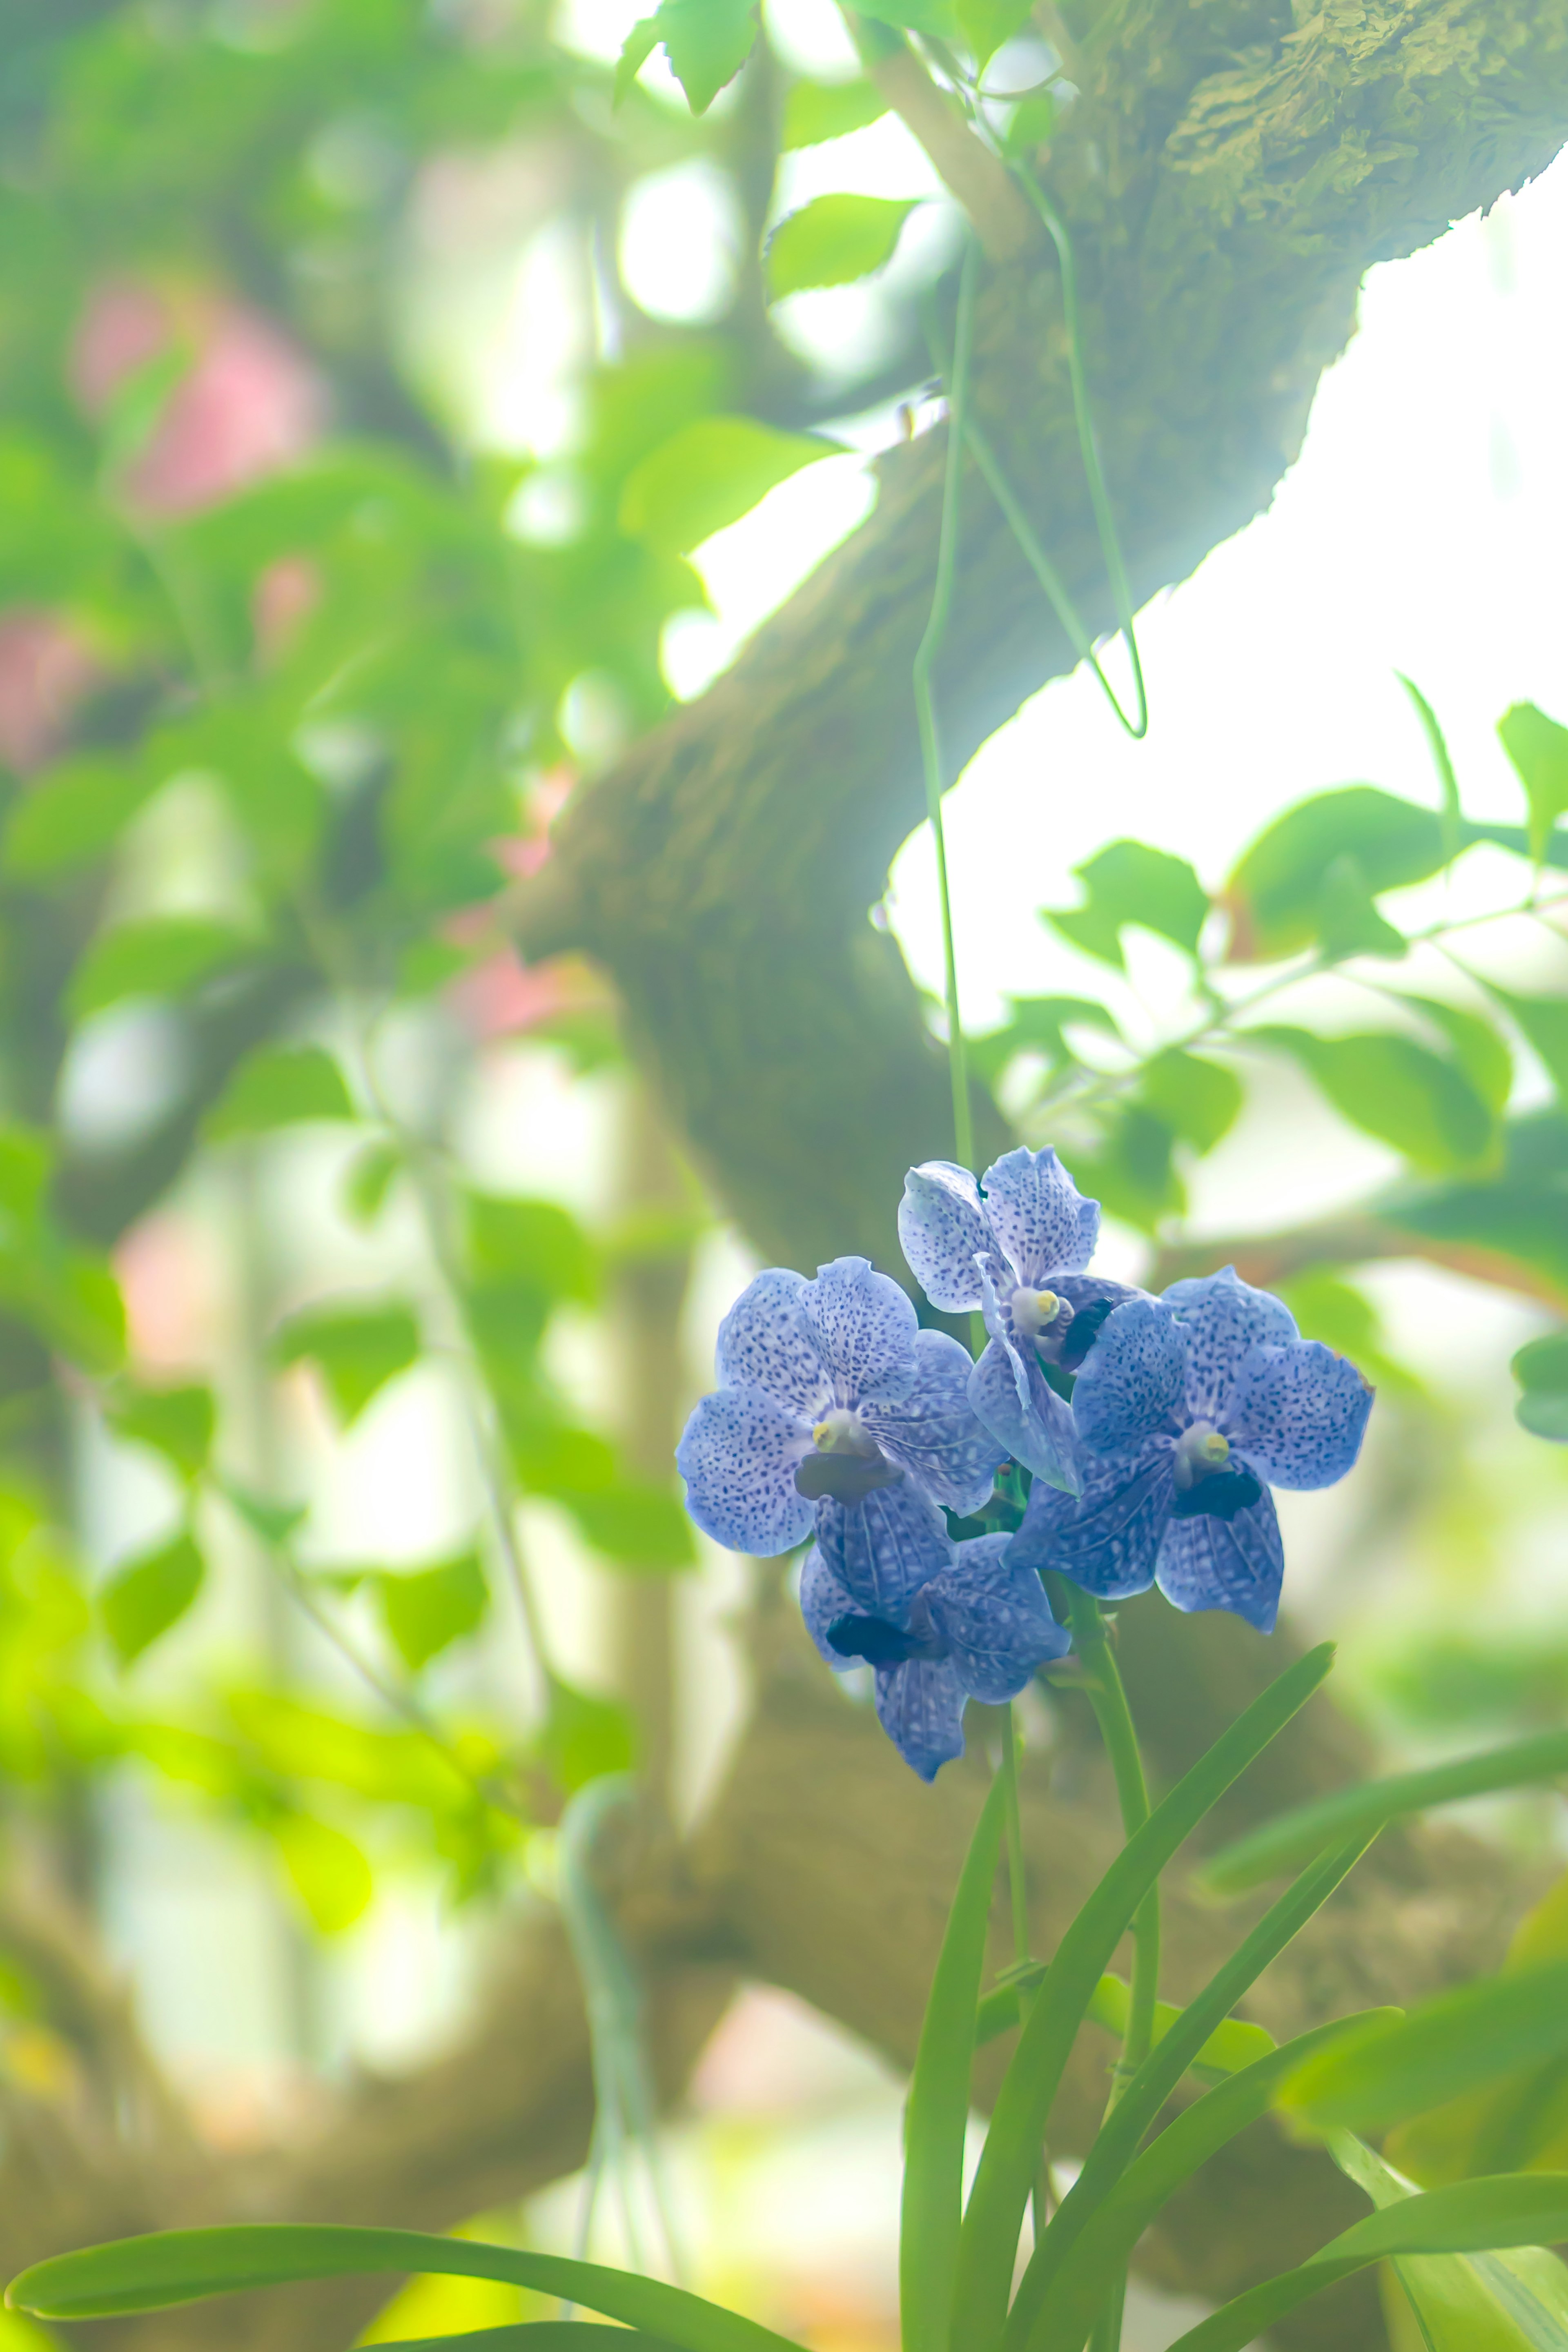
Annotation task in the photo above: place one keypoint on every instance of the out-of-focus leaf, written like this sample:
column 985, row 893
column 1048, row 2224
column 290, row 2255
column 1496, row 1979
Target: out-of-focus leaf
column 1436, row 743
column 1537, row 748
column 1402, row 1092
column 308, row 1743
column 368, row 1179
column 535, row 1243
column 427, row 1609
column 1514, row 1219
column 585, row 1736
column 357, row 1347
column 1033, row 125
column 1543, row 1023
column 177, row 1422
column 71, row 816
column 1198, row 1100
column 1460, row 2042
column 986, row 24
column 1132, row 1172
column 168, row 955
column 708, row 475
column 1328, row 1309
column 144, row 1598
column 833, row 240
column 938, row 18
column 1038, row 1025
column 635, row 1526
column 1479, row 1048
column 274, row 1523
column 706, row 41
column 327, row 1870
column 1129, row 883
column 1275, row 897
column 1348, row 921
column 281, row 1085
column 818, row 111
column 1542, row 1371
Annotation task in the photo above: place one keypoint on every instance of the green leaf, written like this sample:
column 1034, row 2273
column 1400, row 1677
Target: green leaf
column 144, row 1600
column 635, row 1525
column 165, row 2267
column 1033, row 125
column 357, row 1349
column 706, row 41
column 1473, row 2216
column 1276, row 895
column 327, row 1871
column 367, row 1180
column 539, row 2336
column 816, row 111
column 427, row 1609
column 1458, row 2042
column 584, row 1737
column 1543, row 1022
column 1479, row 1048
column 1198, row 1101
column 1038, row 1025
column 177, row 1422
column 1289, row 1838
column 1447, row 781
column 1011, row 2155
column 1348, row 923
column 1516, row 2301
column 707, row 476
column 935, row 18
column 1542, row 1371
column 833, row 241
column 274, row 1523
column 1400, row 1091
column 168, row 955
column 1512, row 1219
column 1133, row 1173
column 937, row 2112
column 536, row 1244
column 986, row 24
column 71, row 816
column 281, row 1085
column 1129, row 883
column 1537, row 748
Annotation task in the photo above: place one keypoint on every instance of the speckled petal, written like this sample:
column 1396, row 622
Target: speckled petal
column 921, row 1706
column 944, row 1229
column 738, row 1455
column 1107, row 1538
column 994, row 1616
column 1225, row 1316
column 882, row 1551
column 864, row 1326
column 1041, row 1219
column 1131, row 1384
column 1236, row 1564
column 1017, row 1405
column 1299, row 1414
column 822, row 1600
column 932, row 1432
column 763, row 1343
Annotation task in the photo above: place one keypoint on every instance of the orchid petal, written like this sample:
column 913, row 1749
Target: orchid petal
column 1299, row 1414
column 1024, row 1413
column 1131, row 1383
column 1039, row 1216
column 944, row 1229
column 738, row 1454
column 993, row 1614
column 822, row 1601
column 763, row 1343
column 882, row 1551
column 920, row 1707
column 1107, row 1538
column 1236, row 1564
column 933, row 1433
column 863, row 1328
column 1225, row 1316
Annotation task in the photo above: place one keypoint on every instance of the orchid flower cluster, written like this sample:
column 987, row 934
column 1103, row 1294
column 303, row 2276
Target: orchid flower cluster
column 1146, row 1431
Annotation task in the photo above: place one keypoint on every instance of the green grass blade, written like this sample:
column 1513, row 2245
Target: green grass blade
column 1109, row 2237
column 170, row 2266
column 1232, row 2045
column 939, row 2097
column 1291, row 1839
column 1513, row 2208
column 1116, row 2142
column 1459, row 2043
column 537, row 2335
column 989, row 2238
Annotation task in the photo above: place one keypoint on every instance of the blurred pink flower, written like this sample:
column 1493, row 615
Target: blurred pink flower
column 249, row 402
column 286, row 595
column 44, row 671
column 524, row 852
column 504, row 997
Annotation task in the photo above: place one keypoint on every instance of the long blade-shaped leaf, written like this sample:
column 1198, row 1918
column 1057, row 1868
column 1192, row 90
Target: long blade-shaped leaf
column 1198, row 2133
column 939, row 2097
column 536, row 2335
column 1116, row 2141
column 990, row 2236
column 1513, row 2208
column 171, row 2266
column 1291, row 1839
column 1459, row 2043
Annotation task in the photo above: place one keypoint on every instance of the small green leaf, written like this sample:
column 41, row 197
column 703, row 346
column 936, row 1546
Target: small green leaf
column 1276, row 895
column 273, row 1522
column 706, row 41
column 1436, row 743
column 427, row 1609
column 168, row 955
column 1129, row 883
column 177, row 1422
column 1458, row 2042
column 536, row 1244
column 144, row 1600
column 1033, row 125
column 327, row 1871
column 369, row 1177
column 816, row 111
column 71, row 816
column 1537, row 748
column 1348, row 923
column 584, row 1737
column 638, row 47
column 1038, row 1025
column 986, row 24
column 1479, row 1048
column 1398, row 1090
column 1198, row 1100
column 833, row 241
column 281, row 1085
column 707, row 476
column 1543, row 1023
column 635, row 1526
column 1542, row 1371
column 357, row 1350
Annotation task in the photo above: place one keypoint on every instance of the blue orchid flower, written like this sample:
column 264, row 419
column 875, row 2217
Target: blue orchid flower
column 828, row 1389
column 1189, row 1407
column 939, row 1623
column 1016, row 1251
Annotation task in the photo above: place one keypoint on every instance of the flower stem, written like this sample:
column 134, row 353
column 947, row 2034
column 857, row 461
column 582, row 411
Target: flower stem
column 925, row 704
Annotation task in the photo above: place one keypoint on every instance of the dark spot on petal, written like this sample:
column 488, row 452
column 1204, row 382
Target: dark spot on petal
column 1218, row 1496
column 846, row 1478
column 1083, row 1331
column 874, row 1639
